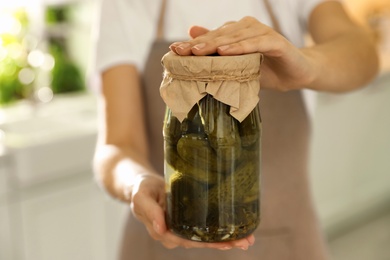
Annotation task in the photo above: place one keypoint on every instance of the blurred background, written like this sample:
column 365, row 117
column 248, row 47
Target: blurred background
column 50, row 206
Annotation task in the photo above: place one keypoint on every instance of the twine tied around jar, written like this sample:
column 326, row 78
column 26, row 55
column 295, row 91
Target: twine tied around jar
column 232, row 80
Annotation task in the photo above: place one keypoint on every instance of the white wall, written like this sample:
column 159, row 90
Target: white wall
column 350, row 163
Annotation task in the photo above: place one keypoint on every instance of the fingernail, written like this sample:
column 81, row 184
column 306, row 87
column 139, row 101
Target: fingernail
column 199, row 46
column 244, row 248
column 172, row 48
column 251, row 240
column 156, row 227
column 183, row 46
column 176, row 43
column 223, row 48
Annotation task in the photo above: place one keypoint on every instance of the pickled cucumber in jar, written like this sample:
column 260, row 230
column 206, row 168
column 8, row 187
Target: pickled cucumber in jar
column 212, row 136
column 212, row 176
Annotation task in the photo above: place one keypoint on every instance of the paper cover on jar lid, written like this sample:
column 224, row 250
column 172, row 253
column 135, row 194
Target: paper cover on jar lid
column 233, row 80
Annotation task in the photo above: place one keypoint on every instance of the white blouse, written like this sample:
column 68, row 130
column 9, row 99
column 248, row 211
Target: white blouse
column 127, row 28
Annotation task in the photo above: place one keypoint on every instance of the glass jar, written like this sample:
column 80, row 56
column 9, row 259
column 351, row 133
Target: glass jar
column 212, row 172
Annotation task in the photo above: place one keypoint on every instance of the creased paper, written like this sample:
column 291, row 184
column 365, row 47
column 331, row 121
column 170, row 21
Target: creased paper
column 233, row 80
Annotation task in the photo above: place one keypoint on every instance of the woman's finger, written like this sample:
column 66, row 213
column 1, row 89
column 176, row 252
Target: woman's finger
column 244, row 36
column 199, row 35
column 153, row 218
column 148, row 205
column 171, row 239
column 196, row 31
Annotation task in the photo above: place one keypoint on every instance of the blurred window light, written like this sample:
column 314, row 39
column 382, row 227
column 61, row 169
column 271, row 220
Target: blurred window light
column 2, row 136
column 15, row 50
column 20, row 3
column 9, row 24
column 30, row 41
column 3, row 53
column 48, row 63
column 36, row 58
column 45, row 94
column 9, row 69
column 26, row 76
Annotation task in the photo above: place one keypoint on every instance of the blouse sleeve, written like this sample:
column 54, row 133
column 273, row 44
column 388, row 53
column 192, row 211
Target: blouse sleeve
column 124, row 33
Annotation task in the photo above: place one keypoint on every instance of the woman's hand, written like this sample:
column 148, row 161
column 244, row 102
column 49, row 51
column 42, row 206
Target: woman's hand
column 121, row 159
column 148, row 205
column 285, row 67
column 343, row 58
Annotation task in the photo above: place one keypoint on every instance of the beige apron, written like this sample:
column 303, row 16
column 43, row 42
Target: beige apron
column 289, row 228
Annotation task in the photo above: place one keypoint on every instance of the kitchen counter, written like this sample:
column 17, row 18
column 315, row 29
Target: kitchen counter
column 47, row 190
column 49, row 140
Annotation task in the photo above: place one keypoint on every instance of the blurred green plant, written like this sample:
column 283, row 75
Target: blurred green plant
column 18, row 69
column 66, row 77
column 57, row 14
column 13, row 56
column 11, row 89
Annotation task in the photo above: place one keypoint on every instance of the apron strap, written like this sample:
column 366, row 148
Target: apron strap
column 160, row 25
